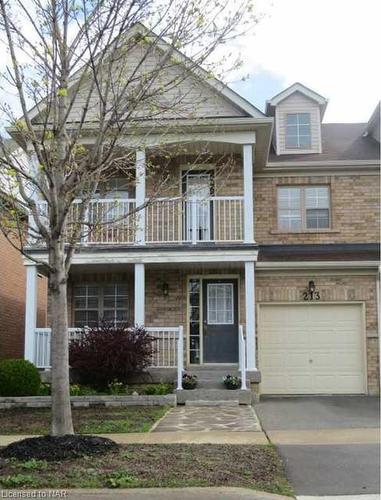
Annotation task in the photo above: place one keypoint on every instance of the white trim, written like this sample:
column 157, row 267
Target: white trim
column 160, row 257
column 139, row 295
column 297, row 87
column 31, row 298
column 250, row 310
column 248, row 212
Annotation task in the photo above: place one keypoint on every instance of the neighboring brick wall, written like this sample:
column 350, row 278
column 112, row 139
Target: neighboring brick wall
column 355, row 201
column 12, row 301
column 273, row 288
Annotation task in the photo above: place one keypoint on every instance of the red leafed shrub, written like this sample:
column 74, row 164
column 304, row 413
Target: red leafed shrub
column 109, row 352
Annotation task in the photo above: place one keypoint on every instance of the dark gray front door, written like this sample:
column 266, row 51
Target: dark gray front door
column 220, row 321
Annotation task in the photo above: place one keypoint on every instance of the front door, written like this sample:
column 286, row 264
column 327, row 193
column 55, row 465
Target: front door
column 220, row 321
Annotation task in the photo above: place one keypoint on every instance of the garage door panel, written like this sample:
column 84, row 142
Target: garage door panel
column 311, row 349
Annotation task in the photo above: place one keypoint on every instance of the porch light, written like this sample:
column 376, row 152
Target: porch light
column 164, row 288
column 311, row 286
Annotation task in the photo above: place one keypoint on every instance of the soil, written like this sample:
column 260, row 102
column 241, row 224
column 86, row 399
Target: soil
column 144, row 466
column 52, row 448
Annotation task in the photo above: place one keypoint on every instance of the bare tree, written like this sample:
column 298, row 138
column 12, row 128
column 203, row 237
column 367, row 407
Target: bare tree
column 105, row 70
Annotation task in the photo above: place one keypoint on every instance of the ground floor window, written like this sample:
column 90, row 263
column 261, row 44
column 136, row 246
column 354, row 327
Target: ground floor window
column 93, row 303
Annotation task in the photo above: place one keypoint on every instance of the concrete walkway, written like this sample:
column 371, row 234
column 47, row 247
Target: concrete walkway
column 209, row 418
column 175, row 494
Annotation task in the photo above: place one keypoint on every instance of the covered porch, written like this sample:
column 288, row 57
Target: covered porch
column 198, row 313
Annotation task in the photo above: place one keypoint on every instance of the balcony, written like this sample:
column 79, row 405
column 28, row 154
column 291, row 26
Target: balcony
column 166, row 220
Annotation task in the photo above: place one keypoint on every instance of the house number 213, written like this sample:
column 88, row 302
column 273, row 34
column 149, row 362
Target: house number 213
column 315, row 295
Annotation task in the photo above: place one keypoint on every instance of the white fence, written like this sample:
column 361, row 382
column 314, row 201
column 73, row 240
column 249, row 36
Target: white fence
column 166, row 347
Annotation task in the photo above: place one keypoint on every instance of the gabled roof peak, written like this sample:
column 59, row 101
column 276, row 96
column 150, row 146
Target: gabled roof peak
column 296, row 87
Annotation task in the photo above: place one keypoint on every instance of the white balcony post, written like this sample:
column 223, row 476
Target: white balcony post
column 250, row 315
column 194, row 220
column 139, row 318
column 140, row 195
column 30, row 311
column 180, row 358
column 248, row 193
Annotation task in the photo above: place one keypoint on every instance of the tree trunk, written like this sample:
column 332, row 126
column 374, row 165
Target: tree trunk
column 61, row 409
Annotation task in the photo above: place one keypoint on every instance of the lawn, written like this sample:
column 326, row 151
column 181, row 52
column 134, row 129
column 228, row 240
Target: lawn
column 86, row 420
column 139, row 465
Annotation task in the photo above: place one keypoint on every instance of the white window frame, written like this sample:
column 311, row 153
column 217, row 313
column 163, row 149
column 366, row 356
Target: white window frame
column 100, row 309
column 299, row 123
column 303, row 209
column 231, row 286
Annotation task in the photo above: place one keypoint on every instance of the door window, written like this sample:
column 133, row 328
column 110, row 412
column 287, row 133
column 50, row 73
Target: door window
column 198, row 205
column 220, row 304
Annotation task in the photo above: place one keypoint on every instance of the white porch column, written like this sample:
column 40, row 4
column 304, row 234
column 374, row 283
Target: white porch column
column 248, row 193
column 140, row 195
column 139, row 318
column 30, row 311
column 250, row 315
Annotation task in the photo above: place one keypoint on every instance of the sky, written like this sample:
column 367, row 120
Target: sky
column 332, row 46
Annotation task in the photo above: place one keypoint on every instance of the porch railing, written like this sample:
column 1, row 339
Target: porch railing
column 167, row 346
column 167, row 220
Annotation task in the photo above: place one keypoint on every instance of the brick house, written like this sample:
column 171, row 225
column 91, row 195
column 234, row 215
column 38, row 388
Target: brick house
column 12, row 301
column 277, row 258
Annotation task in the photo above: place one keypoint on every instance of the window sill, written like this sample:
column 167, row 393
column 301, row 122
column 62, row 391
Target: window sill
column 306, row 231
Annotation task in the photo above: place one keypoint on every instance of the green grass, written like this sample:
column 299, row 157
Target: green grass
column 98, row 420
column 147, row 466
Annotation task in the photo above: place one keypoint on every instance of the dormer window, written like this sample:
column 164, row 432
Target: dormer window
column 298, row 131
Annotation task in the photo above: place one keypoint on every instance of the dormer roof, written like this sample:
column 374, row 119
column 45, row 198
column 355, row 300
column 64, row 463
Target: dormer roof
column 302, row 89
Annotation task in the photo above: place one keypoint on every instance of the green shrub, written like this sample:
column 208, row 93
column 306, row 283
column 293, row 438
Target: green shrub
column 158, row 389
column 45, row 389
column 75, row 390
column 19, row 377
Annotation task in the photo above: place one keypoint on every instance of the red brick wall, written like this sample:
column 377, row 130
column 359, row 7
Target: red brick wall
column 12, row 301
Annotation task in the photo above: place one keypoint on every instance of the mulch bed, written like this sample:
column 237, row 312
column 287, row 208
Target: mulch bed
column 53, row 448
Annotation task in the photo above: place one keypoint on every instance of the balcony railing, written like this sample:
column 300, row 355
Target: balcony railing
column 167, row 220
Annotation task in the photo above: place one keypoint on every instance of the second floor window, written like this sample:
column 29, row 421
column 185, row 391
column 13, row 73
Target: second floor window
column 298, row 131
column 303, row 208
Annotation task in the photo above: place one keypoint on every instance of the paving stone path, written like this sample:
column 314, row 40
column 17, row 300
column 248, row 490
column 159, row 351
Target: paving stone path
column 205, row 419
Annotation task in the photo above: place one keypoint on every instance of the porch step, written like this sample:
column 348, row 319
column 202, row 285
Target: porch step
column 202, row 402
column 212, row 395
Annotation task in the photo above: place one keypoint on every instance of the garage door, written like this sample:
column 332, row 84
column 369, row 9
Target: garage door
column 311, row 349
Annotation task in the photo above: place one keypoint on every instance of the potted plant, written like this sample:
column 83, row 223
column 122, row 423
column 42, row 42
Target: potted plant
column 231, row 382
column 189, row 381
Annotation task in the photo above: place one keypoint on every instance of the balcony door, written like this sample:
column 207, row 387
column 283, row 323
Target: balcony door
column 197, row 188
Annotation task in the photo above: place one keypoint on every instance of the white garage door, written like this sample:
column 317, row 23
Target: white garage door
column 311, row 349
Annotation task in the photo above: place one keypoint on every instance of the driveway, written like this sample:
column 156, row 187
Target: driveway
column 329, row 444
